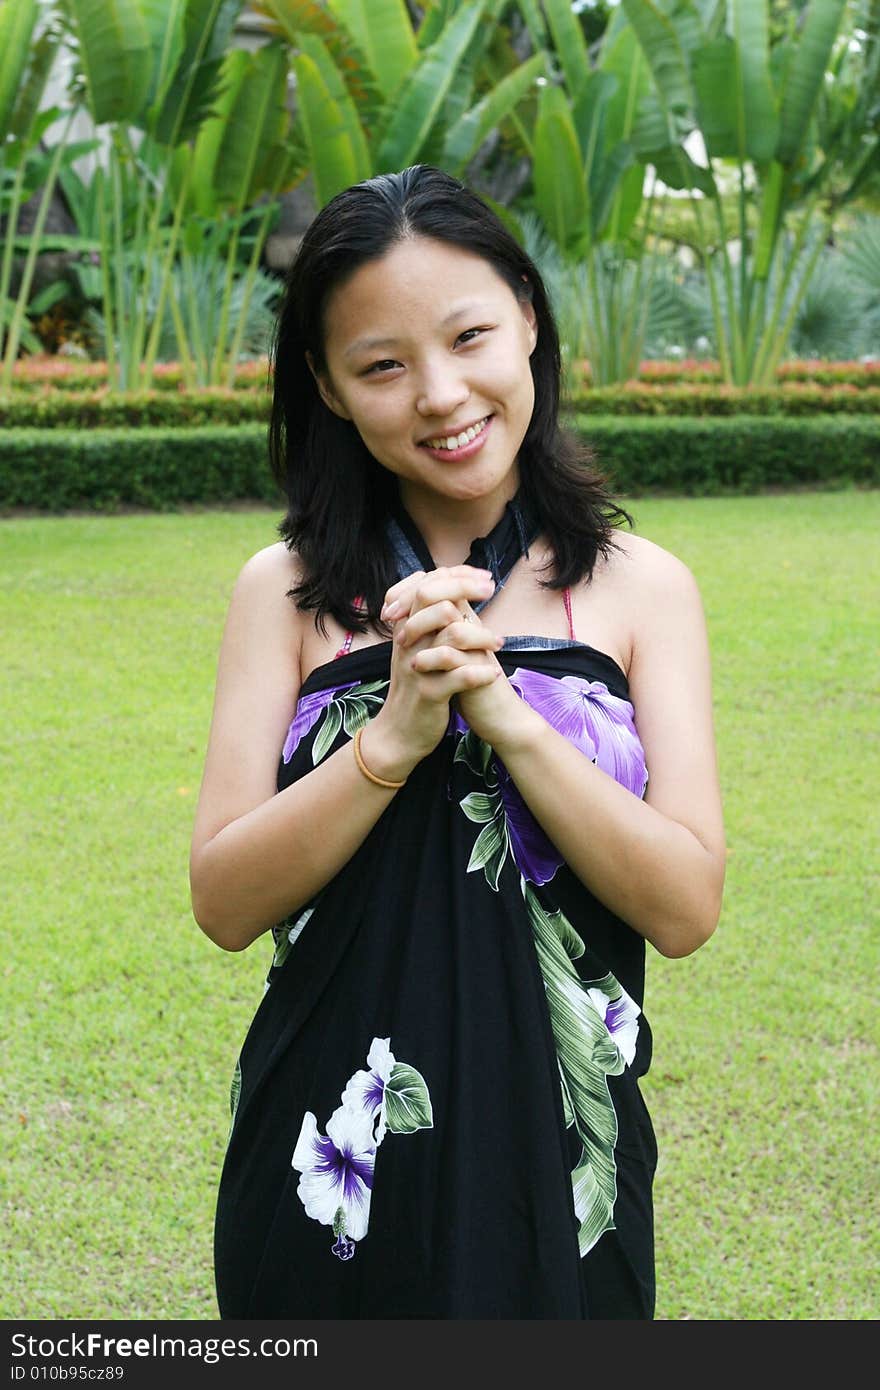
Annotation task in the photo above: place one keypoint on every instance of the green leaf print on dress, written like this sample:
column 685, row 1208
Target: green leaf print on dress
column 349, row 710
column 594, row 1022
column 234, row 1094
column 484, row 808
column 595, row 1025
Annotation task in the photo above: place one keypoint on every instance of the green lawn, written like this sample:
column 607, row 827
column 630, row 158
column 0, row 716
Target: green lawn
column 121, row 1022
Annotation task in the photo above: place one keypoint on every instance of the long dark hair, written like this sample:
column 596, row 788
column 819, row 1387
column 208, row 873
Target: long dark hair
column 339, row 496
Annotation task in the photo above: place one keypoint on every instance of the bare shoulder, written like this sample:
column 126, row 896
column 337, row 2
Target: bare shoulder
column 651, row 583
column 258, row 679
column 271, row 566
column 648, row 567
column 265, row 580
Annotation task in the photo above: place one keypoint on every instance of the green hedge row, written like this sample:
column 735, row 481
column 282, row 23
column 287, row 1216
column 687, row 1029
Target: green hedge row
column 741, row 454
column 638, row 398
column 167, row 409
column 140, row 410
column 59, row 470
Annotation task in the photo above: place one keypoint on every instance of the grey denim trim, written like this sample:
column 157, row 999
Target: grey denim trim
column 527, row 643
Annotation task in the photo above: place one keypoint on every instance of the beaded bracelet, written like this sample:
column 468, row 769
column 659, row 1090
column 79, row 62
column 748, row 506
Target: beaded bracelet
column 358, row 757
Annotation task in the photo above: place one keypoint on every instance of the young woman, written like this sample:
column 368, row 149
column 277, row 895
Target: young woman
column 462, row 765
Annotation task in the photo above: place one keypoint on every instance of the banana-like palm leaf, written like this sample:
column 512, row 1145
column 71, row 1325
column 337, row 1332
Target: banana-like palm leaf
column 561, row 195
column 114, row 50
column 333, row 159
column 18, row 19
column 188, row 98
column 384, row 34
column 805, row 75
column 317, row 50
column 251, row 118
column 24, row 118
column 421, row 98
column 662, row 48
column 165, row 27
column 757, row 115
column 470, row 130
column 570, row 45
column 535, row 22
column 291, row 18
column 294, row 19
column 622, row 57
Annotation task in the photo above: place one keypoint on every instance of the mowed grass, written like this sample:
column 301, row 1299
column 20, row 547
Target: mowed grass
column 121, row 1021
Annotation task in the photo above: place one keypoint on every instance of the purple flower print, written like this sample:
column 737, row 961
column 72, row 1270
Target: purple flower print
column 337, row 1173
column 600, row 724
column 621, row 1018
column 308, row 711
column 536, row 857
column 337, row 1169
column 366, row 1089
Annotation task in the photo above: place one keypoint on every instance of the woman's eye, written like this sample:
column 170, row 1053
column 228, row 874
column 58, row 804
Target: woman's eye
column 386, row 365
column 469, row 334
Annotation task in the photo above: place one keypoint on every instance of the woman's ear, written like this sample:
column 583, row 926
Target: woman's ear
column 531, row 318
column 325, row 390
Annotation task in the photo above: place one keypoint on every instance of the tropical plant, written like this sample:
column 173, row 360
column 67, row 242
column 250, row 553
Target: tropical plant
column 29, row 41
column 795, row 124
column 192, row 126
column 376, row 92
column 192, row 310
column 608, row 314
column 860, row 251
column 589, row 192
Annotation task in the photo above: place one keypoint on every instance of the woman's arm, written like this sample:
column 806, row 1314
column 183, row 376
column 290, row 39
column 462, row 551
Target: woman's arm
column 658, row 863
column 258, row 854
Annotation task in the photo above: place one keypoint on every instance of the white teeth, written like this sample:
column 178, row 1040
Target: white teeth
column 455, row 441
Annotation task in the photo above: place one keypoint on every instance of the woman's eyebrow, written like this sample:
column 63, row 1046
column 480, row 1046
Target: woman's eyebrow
column 369, row 344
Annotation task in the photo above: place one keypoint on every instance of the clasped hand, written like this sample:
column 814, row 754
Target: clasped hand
column 443, row 653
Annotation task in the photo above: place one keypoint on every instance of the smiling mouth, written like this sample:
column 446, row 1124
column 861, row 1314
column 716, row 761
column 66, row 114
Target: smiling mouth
column 457, row 441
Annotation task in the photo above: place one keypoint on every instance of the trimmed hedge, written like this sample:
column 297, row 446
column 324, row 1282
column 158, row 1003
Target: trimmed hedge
column 742, row 454
column 51, row 409
column 59, row 470
column 46, row 410
column 795, row 398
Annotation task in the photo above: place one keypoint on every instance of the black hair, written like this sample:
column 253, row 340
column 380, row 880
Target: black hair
column 338, row 495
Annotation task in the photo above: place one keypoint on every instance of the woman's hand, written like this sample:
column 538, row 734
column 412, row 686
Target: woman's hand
column 426, row 673
column 490, row 706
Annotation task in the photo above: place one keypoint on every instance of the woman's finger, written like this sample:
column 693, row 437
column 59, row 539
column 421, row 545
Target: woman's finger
column 449, row 658
column 461, row 582
column 462, row 673
column 445, row 617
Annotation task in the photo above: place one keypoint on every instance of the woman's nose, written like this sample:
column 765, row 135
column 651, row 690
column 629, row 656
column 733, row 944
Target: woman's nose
column 441, row 390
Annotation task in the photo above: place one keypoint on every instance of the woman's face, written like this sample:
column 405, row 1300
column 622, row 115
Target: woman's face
column 427, row 347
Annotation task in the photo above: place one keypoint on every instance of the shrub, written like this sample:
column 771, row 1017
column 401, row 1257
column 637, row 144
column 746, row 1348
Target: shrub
column 58, row 470
column 744, row 454
column 688, row 399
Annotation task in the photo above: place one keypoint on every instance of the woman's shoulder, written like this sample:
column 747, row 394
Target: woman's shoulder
column 639, row 589
column 652, row 571
column 271, row 565
column 260, row 602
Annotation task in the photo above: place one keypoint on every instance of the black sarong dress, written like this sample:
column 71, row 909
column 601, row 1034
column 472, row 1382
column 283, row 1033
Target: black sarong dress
column 436, row 1110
